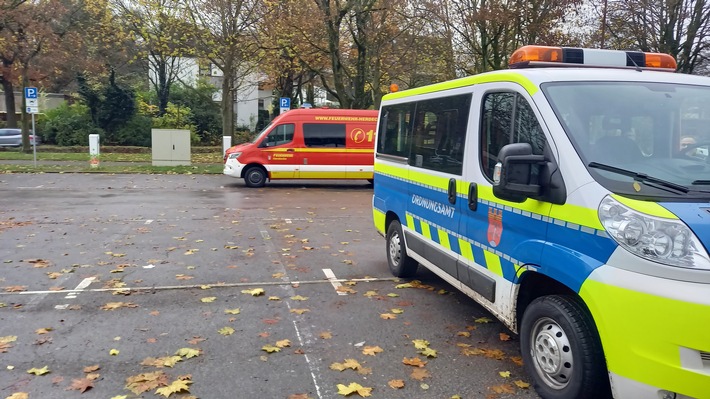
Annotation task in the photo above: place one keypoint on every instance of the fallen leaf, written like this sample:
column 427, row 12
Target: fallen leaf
column 504, row 374
column 371, row 350
column 299, row 311
column 428, row 352
column 424, row 386
column 354, row 388
column 226, row 331
column 44, row 330
column 420, row 343
column 270, row 348
column 232, row 311
column 114, row 352
column 16, row 288
column 19, row 395
column 274, row 298
column 388, row 316
column 396, row 384
column 44, row 370
column 463, row 334
column 208, row 299
column 166, row 361
column 483, row 320
column 299, row 298
column 283, row 343
column 392, row 295
column 521, row 384
column 299, row 396
column 517, row 360
column 81, row 385
column 174, row 387
column 504, row 337
column 91, row 369
column 505, row 388
column 188, row 353
column 145, row 382
column 254, row 292
column 397, row 311
column 326, row 335
column 420, row 374
column 117, row 305
column 8, row 339
column 370, row 294
column 414, row 361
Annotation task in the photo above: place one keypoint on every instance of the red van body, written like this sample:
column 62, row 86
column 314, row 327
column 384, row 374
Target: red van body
column 308, row 144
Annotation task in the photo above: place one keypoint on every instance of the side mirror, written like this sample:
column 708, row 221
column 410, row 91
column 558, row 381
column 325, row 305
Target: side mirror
column 513, row 177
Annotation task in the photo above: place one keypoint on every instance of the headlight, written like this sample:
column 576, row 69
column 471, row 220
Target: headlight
column 234, row 155
column 666, row 241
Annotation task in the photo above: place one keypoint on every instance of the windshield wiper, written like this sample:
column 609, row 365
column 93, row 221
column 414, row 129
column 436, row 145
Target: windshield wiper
column 642, row 177
column 701, row 182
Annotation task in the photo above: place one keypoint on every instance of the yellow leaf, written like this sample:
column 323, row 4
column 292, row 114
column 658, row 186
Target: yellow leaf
column 392, row 295
column 463, row 334
column 226, row 331
column 283, row 343
column 175, row 387
column 405, row 285
column 521, row 384
column 504, row 374
column 414, row 361
column 420, row 343
column 188, row 353
column 370, row 294
column 483, row 320
column 397, row 311
column 278, row 275
column 299, row 311
column 205, row 287
column 19, row 395
column 208, row 299
column 326, row 335
column 232, row 311
column 274, row 298
column 351, row 364
column 388, row 316
column 270, row 348
column 120, row 397
column 428, row 352
column 353, row 388
column 44, row 370
column 337, row 367
column 371, row 350
column 8, row 339
column 113, row 352
column 299, row 298
column 254, row 292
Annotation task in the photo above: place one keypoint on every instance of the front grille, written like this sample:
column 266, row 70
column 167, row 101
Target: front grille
column 705, row 357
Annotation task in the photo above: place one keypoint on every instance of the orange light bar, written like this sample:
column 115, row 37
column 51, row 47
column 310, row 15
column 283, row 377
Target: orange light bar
column 394, row 88
column 536, row 53
column 660, row 60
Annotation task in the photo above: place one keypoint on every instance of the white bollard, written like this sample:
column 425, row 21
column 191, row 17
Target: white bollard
column 94, row 151
column 226, row 143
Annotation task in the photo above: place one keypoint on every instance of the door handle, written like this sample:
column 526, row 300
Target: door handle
column 452, row 190
column 473, row 196
column 290, row 150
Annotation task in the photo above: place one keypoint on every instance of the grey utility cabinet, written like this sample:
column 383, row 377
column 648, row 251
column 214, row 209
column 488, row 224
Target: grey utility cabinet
column 170, row 147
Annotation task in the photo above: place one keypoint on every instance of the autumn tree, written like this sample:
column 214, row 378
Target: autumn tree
column 224, row 32
column 680, row 28
column 161, row 31
column 486, row 32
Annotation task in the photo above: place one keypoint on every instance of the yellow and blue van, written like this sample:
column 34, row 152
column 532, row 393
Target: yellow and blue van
column 570, row 196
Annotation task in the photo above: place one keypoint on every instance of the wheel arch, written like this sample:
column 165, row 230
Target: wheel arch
column 533, row 285
column 255, row 164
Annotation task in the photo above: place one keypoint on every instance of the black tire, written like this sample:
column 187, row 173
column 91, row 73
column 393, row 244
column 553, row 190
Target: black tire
column 255, row 176
column 562, row 351
column 400, row 264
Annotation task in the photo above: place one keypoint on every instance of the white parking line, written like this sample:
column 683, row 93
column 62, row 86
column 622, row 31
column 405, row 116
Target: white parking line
column 333, row 281
column 73, row 293
column 149, row 221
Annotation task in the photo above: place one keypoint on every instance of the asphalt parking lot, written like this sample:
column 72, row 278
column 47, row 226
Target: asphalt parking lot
column 128, row 286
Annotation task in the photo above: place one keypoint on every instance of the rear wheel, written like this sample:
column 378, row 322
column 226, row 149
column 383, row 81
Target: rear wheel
column 399, row 263
column 561, row 350
column 255, row 176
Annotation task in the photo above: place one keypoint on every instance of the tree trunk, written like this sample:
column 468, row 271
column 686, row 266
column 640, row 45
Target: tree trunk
column 9, row 99
column 227, row 105
column 25, row 120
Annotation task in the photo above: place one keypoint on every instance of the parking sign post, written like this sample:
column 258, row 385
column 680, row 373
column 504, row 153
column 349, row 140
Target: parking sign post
column 284, row 104
column 32, row 108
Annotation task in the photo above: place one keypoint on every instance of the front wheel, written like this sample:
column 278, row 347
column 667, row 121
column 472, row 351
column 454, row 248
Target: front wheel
column 561, row 350
column 399, row 263
column 255, row 176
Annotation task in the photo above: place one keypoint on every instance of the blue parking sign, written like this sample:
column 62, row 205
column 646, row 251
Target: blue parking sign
column 30, row 92
column 285, row 102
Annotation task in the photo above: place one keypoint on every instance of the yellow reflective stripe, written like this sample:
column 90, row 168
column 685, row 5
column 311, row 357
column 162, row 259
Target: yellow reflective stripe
column 466, row 250
column 410, row 222
column 638, row 328
column 519, row 270
column 530, row 205
column 493, row 262
column 321, row 175
column 428, row 179
column 379, row 218
column 577, row 214
column 359, row 175
column 425, row 229
column 647, row 207
column 319, row 150
column 444, row 239
column 392, row 170
column 282, row 175
column 507, row 76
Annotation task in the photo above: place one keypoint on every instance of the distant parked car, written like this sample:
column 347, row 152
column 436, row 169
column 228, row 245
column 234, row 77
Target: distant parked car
column 10, row 137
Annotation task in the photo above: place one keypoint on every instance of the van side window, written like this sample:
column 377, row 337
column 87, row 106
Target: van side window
column 440, row 133
column 507, row 118
column 281, row 134
column 324, row 134
column 394, row 130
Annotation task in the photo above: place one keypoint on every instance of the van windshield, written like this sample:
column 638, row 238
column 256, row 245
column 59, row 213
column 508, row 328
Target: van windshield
column 656, row 134
column 258, row 137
